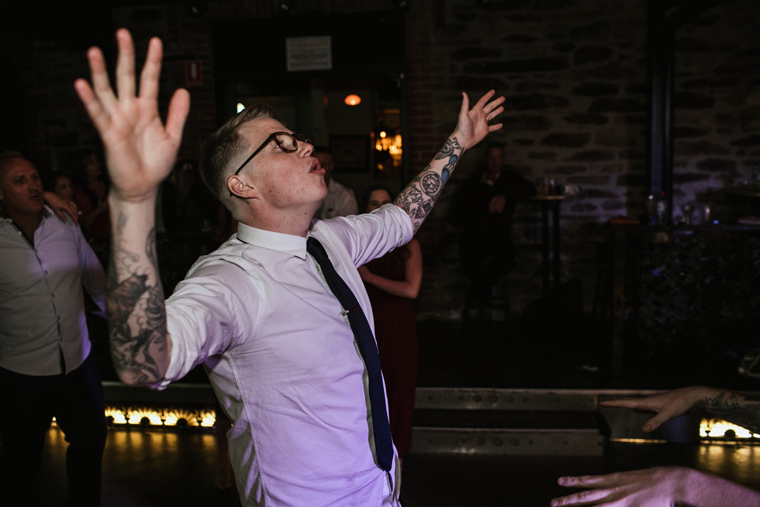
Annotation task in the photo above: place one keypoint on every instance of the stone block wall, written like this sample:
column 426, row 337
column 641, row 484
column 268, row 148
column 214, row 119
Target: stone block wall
column 574, row 77
column 717, row 110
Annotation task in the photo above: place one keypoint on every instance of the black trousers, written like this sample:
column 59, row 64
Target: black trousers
column 486, row 257
column 27, row 406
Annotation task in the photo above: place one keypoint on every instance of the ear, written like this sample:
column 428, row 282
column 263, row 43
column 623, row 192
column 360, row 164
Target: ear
column 238, row 187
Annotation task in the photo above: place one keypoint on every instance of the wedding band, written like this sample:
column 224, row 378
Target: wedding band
column 488, row 119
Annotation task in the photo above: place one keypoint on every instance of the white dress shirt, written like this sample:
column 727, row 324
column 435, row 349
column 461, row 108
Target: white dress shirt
column 282, row 359
column 43, row 327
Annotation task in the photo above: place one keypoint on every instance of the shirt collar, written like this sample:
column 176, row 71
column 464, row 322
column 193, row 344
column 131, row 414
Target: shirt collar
column 46, row 212
column 285, row 243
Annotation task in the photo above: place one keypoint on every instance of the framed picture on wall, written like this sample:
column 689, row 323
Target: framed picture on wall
column 350, row 153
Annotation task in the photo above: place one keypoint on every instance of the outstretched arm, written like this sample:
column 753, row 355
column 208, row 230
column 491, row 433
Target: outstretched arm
column 140, row 151
column 733, row 407
column 418, row 198
column 656, row 487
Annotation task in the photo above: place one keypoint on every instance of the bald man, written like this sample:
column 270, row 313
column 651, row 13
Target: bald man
column 46, row 366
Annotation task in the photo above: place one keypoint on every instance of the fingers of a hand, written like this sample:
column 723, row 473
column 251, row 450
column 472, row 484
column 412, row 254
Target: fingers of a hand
column 480, row 104
column 496, row 112
column 591, row 497
column 632, row 403
column 655, row 422
column 93, row 106
column 125, row 65
column 75, row 215
column 495, row 107
column 101, row 85
column 494, row 127
column 465, row 104
column 151, row 71
column 584, row 481
column 179, row 106
column 60, row 214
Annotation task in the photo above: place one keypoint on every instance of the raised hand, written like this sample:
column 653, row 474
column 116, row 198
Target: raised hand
column 140, row 152
column 140, row 149
column 419, row 196
column 474, row 124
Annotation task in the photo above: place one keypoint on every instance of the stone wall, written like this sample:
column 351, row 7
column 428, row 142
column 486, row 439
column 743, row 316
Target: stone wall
column 717, row 109
column 574, row 77
column 574, row 74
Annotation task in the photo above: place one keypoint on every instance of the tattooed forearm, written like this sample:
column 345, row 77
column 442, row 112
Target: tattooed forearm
column 450, row 148
column 743, row 411
column 418, row 198
column 136, row 314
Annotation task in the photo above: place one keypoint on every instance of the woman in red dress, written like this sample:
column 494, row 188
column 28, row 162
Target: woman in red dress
column 393, row 282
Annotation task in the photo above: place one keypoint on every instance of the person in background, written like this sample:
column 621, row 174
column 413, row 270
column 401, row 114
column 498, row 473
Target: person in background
column 488, row 203
column 340, row 200
column 91, row 197
column 62, row 186
column 668, row 486
column 393, row 283
column 47, row 367
column 187, row 204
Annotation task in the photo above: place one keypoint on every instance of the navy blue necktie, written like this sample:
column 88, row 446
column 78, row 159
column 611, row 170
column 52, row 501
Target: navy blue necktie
column 368, row 349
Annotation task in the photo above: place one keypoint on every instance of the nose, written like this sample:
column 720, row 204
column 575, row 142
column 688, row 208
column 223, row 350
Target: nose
column 308, row 148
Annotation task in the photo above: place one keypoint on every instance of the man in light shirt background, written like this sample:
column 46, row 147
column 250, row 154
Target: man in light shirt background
column 47, row 367
column 340, row 200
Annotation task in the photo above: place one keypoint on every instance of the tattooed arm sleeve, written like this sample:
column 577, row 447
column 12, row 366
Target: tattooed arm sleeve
column 419, row 196
column 140, row 344
column 740, row 409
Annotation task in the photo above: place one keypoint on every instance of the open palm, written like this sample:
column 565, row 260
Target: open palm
column 140, row 149
column 473, row 124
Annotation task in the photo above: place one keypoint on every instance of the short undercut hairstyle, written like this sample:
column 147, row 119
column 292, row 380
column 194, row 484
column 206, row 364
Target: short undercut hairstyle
column 226, row 143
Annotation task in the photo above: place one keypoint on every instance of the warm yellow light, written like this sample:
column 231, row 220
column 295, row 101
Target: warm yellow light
column 717, row 428
column 638, row 440
column 161, row 417
column 118, row 415
column 208, row 419
column 391, row 144
column 352, row 100
column 173, row 417
column 136, row 416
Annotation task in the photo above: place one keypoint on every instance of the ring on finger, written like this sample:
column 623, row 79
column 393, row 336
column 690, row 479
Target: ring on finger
column 488, row 119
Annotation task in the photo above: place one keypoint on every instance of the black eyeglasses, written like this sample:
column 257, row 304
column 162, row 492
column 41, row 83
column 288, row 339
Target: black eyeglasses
column 286, row 141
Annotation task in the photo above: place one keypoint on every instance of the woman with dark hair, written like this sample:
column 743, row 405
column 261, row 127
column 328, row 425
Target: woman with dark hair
column 393, row 282
column 61, row 184
column 91, row 193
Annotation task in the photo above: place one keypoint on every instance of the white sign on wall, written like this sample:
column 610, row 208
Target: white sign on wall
column 309, row 53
